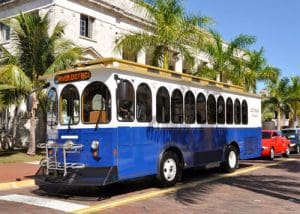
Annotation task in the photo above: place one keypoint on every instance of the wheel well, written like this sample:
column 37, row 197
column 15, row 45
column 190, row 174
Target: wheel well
column 178, row 152
column 236, row 146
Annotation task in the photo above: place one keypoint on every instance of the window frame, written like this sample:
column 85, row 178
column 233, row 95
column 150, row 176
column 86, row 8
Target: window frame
column 219, row 121
column 149, row 105
column 245, row 122
column 60, row 105
column 237, row 120
column 192, row 110
column 208, row 111
column 133, row 104
column 88, row 30
column 205, row 108
column 229, row 112
column 164, row 89
column 109, row 110
column 57, row 108
column 181, row 113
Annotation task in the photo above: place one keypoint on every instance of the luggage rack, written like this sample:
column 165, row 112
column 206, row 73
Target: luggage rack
column 51, row 162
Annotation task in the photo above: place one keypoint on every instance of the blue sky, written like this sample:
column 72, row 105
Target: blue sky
column 275, row 23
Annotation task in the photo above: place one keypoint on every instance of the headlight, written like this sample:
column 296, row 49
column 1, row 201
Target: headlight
column 51, row 143
column 265, row 147
column 68, row 144
column 95, row 144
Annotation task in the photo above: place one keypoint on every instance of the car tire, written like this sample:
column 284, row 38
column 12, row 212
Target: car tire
column 287, row 152
column 170, row 169
column 231, row 162
column 297, row 149
column 272, row 154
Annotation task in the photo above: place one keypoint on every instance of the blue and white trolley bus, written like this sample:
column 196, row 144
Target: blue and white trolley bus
column 111, row 120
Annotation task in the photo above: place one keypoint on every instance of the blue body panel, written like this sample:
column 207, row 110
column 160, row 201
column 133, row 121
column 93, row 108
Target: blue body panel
column 138, row 148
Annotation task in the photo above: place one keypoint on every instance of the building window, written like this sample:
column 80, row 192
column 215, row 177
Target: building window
column 189, row 107
column 237, row 112
column 96, row 103
column 229, row 111
column 201, row 109
column 211, row 110
column 125, row 101
column 244, row 112
column 162, row 105
column 177, row 107
column 86, row 26
column 143, row 103
column 221, row 110
column 5, row 32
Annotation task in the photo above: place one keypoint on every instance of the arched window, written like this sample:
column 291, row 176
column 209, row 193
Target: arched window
column 96, row 103
column 162, row 105
column 244, row 112
column 143, row 103
column 229, row 111
column 52, row 108
column 177, row 107
column 221, row 110
column 237, row 112
column 69, row 105
column 125, row 101
column 189, row 103
column 201, row 109
column 211, row 110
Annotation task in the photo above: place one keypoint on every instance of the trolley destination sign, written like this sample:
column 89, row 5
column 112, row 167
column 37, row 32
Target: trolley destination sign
column 72, row 77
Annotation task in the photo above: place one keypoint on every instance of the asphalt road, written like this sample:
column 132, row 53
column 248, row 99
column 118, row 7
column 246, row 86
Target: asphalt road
column 259, row 186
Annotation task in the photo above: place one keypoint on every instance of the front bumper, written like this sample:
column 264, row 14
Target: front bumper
column 89, row 176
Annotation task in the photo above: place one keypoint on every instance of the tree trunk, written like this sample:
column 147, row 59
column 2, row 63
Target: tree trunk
column 15, row 124
column 278, row 120
column 166, row 59
column 32, row 142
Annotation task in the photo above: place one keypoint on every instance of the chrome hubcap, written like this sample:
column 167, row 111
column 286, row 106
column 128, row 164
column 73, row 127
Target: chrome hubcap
column 287, row 151
column 170, row 169
column 272, row 153
column 232, row 159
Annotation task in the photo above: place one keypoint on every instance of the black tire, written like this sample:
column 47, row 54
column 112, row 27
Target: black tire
column 272, row 154
column 167, row 177
column 231, row 162
column 287, row 152
column 298, row 149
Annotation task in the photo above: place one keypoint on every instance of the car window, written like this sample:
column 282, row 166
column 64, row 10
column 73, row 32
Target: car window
column 266, row 135
column 275, row 134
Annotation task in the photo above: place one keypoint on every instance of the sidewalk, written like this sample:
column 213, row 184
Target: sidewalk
column 16, row 172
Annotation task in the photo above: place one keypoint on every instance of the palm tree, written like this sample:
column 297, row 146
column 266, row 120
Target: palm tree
column 255, row 69
column 36, row 52
column 172, row 30
column 278, row 98
column 294, row 99
column 224, row 57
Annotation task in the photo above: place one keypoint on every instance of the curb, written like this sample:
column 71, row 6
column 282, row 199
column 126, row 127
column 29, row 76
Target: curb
column 17, row 184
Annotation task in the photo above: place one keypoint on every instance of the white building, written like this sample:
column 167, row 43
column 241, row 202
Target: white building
column 95, row 25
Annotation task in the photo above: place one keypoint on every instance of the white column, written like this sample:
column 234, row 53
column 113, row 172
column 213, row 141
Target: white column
column 141, row 57
column 179, row 64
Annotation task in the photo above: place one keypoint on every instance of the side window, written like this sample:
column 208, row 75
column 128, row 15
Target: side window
column 244, row 112
column 163, row 105
column 275, row 134
column 211, row 110
column 96, row 103
column 189, row 105
column 221, row 110
column 69, row 106
column 229, row 111
column 177, row 107
column 201, row 109
column 143, row 103
column 125, row 101
column 237, row 112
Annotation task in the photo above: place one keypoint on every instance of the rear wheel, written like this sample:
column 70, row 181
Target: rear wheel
column 231, row 160
column 287, row 152
column 272, row 154
column 170, row 169
column 297, row 149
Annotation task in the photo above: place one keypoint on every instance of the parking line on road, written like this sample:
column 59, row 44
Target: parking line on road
column 43, row 202
column 16, row 184
column 154, row 193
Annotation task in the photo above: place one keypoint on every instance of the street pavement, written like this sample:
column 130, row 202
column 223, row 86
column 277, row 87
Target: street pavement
column 259, row 186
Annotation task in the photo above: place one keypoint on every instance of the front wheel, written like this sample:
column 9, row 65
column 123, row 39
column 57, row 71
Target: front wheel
column 231, row 160
column 170, row 169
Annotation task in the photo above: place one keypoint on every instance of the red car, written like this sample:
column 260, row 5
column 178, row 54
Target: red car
column 274, row 144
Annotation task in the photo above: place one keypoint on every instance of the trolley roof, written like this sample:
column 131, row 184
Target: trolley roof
column 129, row 66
